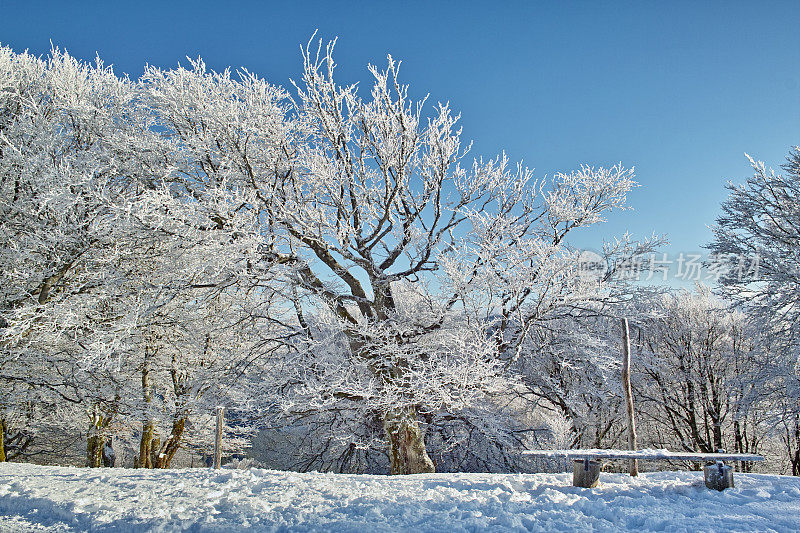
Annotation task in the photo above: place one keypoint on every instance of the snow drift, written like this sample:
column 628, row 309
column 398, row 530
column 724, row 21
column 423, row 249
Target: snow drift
column 103, row 500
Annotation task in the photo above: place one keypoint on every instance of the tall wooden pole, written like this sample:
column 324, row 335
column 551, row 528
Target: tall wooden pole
column 218, row 439
column 626, row 387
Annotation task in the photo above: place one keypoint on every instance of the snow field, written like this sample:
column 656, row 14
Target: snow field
column 36, row 498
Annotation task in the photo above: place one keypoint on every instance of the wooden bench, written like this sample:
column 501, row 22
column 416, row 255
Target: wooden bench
column 587, row 463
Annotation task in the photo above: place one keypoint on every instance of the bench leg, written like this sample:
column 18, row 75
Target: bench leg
column 586, row 473
column 718, row 476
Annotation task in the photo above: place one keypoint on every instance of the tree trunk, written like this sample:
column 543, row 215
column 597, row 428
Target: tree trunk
column 738, row 445
column 94, row 451
column 146, row 445
column 218, row 438
column 795, row 458
column 95, row 438
column 407, row 454
column 2, row 441
column 155, row 448
column 717, row 432
column 742, row 445
column 626, row 386
column 148, row 427
column 172, row 444
column 94, row 447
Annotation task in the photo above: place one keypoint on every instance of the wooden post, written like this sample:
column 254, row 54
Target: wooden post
column 626, row 387
column 218, row 439
column 718, row 476
column 585, row 473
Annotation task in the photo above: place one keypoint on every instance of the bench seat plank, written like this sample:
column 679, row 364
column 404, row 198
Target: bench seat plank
column 644, row 455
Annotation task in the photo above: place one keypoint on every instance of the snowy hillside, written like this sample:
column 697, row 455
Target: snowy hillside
column 34, row 498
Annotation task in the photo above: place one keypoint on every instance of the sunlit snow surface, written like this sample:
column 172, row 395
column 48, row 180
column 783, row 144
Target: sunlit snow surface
column 34, row 498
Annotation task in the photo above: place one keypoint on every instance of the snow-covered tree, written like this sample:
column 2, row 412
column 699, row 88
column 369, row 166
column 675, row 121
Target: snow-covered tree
column 124, row 239
column 757, row 244
column 207, row 135
column 696, row 364
column 56, row 116
column 380, row 198
column 570, row 368
column 756, row 249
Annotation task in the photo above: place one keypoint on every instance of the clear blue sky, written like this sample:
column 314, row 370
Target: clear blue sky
column 678, row 89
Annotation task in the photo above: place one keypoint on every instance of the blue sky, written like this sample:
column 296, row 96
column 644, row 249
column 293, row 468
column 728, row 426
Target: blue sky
column 680, row 90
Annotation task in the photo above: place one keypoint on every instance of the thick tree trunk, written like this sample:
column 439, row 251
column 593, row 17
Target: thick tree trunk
column 155, row 447
column 172, row 444
column 94, row 442
column 94, row 451
column 95, row 439
column 407, row 454
column 146, row 445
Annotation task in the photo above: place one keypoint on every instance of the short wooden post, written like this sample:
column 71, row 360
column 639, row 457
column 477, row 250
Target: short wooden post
column 586, row 473
column 718, row 476
column 218, row 439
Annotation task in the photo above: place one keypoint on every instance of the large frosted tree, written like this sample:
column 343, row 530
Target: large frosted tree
column 390, row 227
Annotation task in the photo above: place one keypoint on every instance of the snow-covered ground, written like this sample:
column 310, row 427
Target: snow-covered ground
column 35, row 498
